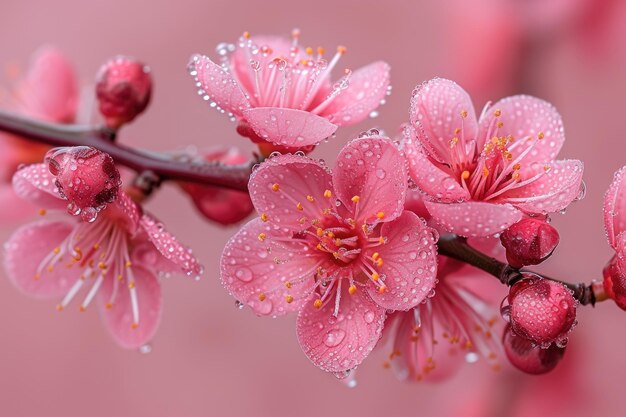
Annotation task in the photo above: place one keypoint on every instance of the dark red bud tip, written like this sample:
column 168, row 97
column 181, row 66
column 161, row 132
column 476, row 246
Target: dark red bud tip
column 123, row 88
column 86, row 177
column 615, row 282
column 529, row 242
column 541, row 310
column 529, row 357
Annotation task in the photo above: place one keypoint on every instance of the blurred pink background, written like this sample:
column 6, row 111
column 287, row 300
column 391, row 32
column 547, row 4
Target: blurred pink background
column 211, row 359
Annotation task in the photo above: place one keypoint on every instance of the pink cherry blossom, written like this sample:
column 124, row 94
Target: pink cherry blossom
column 48, row 91
column 338, row 248
column 615, row 225
column 115, row 258
column 282, row 93
column 481, row 175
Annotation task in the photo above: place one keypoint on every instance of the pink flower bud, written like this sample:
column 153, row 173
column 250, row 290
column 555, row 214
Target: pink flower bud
column 529, row 242
column 123, row 89
column 86, row 177
column 615, row 283
column 527, row 356
column 542, row 310
column 219, row 204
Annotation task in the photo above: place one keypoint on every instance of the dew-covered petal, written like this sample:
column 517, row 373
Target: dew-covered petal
column 49, row 91
column 266, row 270
column 436, row 183
column 169, row 246
column 25, row 251
column 409, row 266
column 531, row 122
column 374, row 170
column 218, row 85
column 35, row 184
column 14, row 208
column 117, row 312
column 289, row 190
column 338, row 344
column 436, row 112
column 291, row 128
column 368, row 86
column 474, row 218
column 127, row 211
column 615, row 207
column 554, row 190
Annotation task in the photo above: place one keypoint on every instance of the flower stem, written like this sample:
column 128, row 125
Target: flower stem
column 457, row 248
column 206, row 173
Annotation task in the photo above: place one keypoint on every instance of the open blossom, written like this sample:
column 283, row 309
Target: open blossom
column 115, row 258
column 615, row 225
column 481, row 175
column 338, row 248
column 458, row 324
column 48, row 92
column 282, row 93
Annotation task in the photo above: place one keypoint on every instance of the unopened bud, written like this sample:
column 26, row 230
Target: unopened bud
column 123, row 88
column 529, row 357
column 542, row 310
column 615, row 282
column 529, row 242
column 86, row 177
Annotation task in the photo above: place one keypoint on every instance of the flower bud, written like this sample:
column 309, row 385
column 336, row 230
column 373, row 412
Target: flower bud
column 218, row 204
column 615, row 282
column 529, row 242
column 527, row 356
column 541, row 310
column 86, row 177
column 123, row 87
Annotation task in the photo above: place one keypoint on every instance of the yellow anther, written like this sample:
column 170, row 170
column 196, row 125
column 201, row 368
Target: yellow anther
column 541, row 135
column 299, row 206
column 382, row 289
column 457, row 130
column 37, row 277
column 275, row 187
column 59, row 307
column 128, row 264
column 82, row 309
column 453, row 142
column 492, row 356
column 546, row 168
column 517, row 167
column 309, row 51
column 131, row 285
column 134, row 325
column 42, row 212
column 288, row 284
column 341, row 50
column 485, row 172
column 120, row 277
column 262, row 236
column 327, row 194
column 465, row 175
column 96, row 246
column 50, row 268
column 302, row 220
column 386, row 365
column 246, row 35
column 326, row 211
column 352, row 289
column 262, row 297
column 264, row 217
column 330, row 235
column 336, row 255
column 102, row 265
column 317, row 303
column 516, row 176
column 355, row 199
column 497, row 113
column 375, row 276
column 382, row 240
column 319, row 232
column 379, row 262
column 375, row 255
column 108, row 306
column 337, row 242
column 319, row 246
column 310, row 198
column 289, row 299
column 464, row 113
column 56, row 250
column 499, row 124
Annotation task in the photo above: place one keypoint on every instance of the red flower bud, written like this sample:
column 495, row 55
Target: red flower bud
column 86, row 177
column 529, row 242
column 615, row 282
column 541, row 310
column 527, row 356
column 123, row 89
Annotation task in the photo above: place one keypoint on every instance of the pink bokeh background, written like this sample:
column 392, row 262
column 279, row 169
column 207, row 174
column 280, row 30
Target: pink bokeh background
column 211, row 359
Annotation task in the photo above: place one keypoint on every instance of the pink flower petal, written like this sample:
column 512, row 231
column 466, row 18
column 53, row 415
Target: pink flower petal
column 49, row 90
column 295, row 178
column 126, row 210
column 373, row 169
column 526, row 117
column 410, row 263
column 265, row 272
column 35, row 184
column 218, row 85
column 615, row 207
column 169, row 246
column 26, row 250
column 119, row 317
column 553, row 191
column 145, row 255
column 474, row 218
column 435, row 113
column 368, row 86
column 433, row 181
column 13, row 207
column 338, row 344
column 288, row 127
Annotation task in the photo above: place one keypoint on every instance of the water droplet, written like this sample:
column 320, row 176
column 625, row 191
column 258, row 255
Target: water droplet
column 239, row 305
column 145, row 349
column 334, row 337
column 369, row 316
column 244, row 274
